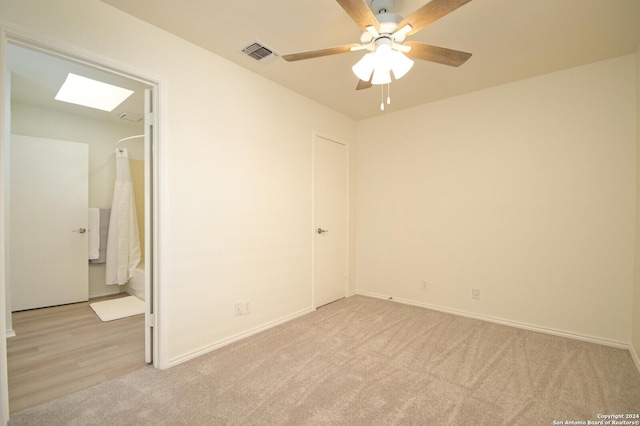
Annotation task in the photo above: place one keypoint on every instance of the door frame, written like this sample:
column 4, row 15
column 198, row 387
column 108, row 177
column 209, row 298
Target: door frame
column 10, row 34
column 314, row 227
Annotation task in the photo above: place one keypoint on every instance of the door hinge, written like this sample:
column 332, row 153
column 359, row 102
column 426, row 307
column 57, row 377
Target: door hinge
column 150, row 320
column 149, row 119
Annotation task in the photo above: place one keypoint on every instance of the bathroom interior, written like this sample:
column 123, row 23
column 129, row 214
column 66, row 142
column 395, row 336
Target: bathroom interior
column 34, row 74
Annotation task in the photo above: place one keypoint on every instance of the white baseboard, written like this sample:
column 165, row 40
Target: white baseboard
column 264, row 327
column 105, row 293
column 235, row 338
column 11, row 333
column 501, row 321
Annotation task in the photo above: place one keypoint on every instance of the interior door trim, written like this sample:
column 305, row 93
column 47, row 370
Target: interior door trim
column 12, row 34
column 315, row 135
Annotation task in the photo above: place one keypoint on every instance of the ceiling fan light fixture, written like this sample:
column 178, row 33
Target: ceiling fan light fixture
column 364, row 67
column 381, row 76
column 376, row 66
column 384, row 35
column 400, row 64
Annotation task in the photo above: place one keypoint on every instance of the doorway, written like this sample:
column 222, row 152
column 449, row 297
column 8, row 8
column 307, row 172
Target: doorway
column 44, row 117
column 330, row 220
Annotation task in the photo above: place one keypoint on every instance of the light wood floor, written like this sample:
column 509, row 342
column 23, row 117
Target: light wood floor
column 63, row 349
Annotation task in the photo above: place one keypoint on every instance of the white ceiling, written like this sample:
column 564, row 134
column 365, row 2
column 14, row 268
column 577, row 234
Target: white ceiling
column 510, row 40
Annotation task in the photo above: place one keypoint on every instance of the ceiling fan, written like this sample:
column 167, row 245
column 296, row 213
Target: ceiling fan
column 384, row 36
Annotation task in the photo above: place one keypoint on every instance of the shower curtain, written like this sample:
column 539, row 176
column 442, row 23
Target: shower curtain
column 123, row 241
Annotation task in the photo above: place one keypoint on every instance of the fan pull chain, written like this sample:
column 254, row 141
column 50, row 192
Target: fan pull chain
column 382, row 96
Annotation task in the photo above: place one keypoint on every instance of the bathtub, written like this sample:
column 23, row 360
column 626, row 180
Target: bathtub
column 135, row 285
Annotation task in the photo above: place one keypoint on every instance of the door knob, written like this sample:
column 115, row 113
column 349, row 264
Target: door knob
column 322, row 231
column 81, row 230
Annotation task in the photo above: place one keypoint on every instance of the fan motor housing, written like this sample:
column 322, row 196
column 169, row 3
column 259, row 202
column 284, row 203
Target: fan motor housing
column 388, row 24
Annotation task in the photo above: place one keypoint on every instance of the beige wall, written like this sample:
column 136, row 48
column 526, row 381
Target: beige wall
column 525, row 191
column 636, row 294
column 101, row 137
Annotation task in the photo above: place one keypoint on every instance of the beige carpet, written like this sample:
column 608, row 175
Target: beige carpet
column 363, row 361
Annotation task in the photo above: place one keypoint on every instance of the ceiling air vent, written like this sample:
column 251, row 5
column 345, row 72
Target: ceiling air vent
column 258, row 51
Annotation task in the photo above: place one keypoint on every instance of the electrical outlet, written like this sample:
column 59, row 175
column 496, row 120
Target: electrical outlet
column 241, row 308
column 237, row 308
column 475, row 293
column 423, row 285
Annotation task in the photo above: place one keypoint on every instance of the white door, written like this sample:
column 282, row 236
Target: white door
column 49, row 192
column 330, row 221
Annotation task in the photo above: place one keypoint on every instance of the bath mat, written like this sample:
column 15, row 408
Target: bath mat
column 122, row 307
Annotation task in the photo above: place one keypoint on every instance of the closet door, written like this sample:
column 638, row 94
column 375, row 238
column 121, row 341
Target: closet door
column 331, row 234
column 48, row 208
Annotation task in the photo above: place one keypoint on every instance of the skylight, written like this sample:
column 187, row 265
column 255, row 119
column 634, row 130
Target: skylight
column 91, row 93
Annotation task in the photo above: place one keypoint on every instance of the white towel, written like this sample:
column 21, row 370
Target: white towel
column 94, row 233
column 105, row 217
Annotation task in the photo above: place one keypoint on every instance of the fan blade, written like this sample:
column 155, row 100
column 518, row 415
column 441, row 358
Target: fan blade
column 363, row 85
column 319, row 53
column 360, row 13
column 441, row 55
column 430, row 12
